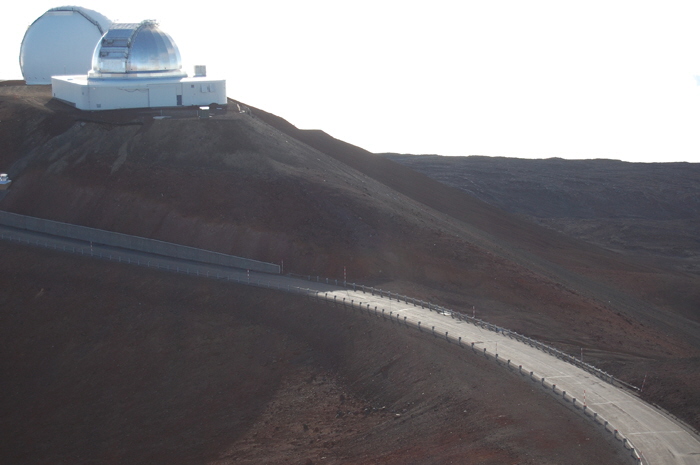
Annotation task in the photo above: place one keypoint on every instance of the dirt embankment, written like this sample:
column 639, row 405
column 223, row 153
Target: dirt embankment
column 109, row 363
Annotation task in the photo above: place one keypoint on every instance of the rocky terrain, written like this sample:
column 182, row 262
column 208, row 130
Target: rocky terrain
column 113, row 365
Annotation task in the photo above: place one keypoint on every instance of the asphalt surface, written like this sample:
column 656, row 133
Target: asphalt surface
column 651, row 436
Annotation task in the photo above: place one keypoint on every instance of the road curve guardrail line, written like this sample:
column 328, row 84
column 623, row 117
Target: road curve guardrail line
column 678, row 444
column 126, row 241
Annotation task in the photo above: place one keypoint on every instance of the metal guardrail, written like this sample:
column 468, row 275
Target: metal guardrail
column 548, row 386
column 393, row 318
column 478, row 322
column 114, row 239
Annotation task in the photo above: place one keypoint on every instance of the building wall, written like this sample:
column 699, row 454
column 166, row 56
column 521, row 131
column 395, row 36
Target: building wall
column 70, row 92
column 138, row 93
column 203, row 92
column 164, row 95
column 117, row 97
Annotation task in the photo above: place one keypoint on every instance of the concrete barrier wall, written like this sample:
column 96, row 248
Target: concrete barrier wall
column 142, row 244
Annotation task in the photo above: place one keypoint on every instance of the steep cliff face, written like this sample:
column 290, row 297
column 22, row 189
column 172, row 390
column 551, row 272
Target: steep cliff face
column 251, row 184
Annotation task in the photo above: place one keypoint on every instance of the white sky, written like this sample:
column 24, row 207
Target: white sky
column 527, row 79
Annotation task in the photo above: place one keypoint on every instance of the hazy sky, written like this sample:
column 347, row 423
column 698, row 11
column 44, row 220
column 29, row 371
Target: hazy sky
column 528, row 79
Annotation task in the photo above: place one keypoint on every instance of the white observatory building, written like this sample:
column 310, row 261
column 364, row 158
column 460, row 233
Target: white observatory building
column 61, row 41
column 136, row 65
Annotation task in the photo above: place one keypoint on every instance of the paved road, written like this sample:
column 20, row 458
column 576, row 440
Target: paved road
column 657, row 438
column 645, row 431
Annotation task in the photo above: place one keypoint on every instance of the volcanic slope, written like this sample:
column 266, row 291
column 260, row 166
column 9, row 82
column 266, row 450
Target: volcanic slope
column 111, row 363
column 660, row 295
column 251, row 184
column 650, row 210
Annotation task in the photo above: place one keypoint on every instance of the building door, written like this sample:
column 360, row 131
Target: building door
column 162, row 95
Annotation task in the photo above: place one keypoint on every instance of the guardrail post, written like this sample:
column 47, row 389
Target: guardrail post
column 460, row 341
column 447, row 338
column 433, row 330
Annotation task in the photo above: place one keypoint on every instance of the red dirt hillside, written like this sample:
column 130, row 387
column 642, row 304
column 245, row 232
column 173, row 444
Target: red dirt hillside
column 251, row 184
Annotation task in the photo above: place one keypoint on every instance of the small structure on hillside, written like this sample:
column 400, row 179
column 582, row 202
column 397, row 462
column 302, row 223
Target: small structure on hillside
column 4, row 182
column 136, row 65
column 61, row 41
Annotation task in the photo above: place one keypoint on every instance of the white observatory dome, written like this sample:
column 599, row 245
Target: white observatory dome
column 60, row 42
column 136, row 51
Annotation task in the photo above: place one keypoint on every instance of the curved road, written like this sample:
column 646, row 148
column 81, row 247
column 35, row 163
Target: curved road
column 651, row 436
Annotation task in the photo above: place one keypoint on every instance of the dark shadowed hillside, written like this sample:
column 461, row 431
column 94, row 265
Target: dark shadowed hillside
column 251, row 184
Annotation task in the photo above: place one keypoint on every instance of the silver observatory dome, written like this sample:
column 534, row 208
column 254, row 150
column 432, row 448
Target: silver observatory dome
column 136, row 51
column 60, row 42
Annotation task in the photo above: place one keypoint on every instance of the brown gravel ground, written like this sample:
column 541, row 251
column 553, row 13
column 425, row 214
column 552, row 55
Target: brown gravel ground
column 107, row 363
